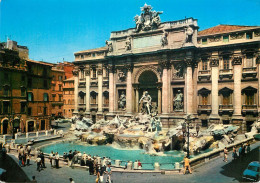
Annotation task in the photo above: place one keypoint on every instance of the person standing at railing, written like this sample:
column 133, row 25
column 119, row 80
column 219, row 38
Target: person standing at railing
column 43, row 160
column 51, row 157
column 225, row 154
column 57, row 158
column 139, row 165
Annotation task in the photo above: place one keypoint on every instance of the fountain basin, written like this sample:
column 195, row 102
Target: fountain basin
column 167, row 161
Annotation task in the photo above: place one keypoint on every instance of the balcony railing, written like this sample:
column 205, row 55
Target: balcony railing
column 227, row 107
column 206, row 72
column 204, row 107
column 249, row 107
column 250, row 69
column 225, row 71
column 94, row 106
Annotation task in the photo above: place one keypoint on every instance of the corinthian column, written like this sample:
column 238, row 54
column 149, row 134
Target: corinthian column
column 237, row 61
column 76, row 89
column 165, row 87
column 100, row 89
column 189, row 86
column 214, row 86
column 111, row 89
column 87, row 71
column 129, row 89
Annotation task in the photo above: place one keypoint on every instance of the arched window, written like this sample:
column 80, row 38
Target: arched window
column 106, row 98
column 64, row 101
column 69, row 102
column 82, row 97
column 93, row 97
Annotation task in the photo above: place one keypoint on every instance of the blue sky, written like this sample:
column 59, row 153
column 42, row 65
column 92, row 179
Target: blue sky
column 55, row 29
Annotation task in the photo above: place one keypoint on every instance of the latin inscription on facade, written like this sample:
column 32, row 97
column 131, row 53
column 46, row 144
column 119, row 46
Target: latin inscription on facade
column 148, row 41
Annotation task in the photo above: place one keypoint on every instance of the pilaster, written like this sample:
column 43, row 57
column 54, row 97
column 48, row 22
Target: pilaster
column 165, row 84
column 189, row 86
column 129, row 88
column 214, row 63
column 100, row 90
column 237, row 61
column 76, row 87
column 87, row 73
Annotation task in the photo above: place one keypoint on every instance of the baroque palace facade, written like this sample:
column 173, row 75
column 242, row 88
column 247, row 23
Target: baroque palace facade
column 212, row 74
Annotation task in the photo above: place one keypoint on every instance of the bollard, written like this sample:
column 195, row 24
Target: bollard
column 27, row 135
column 177, row 165
column 37, row 134
column 156, row 166
column 4, row 138
column 117, row 163
column 129, row 165
column 135, row 165
column 15, row 136
column 46, row 133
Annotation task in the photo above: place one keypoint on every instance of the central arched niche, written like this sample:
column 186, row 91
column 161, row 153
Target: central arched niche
column 148, row 81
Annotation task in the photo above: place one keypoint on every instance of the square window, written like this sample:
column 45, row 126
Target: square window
column 204, row 41
column 249, row 35
column 225, row 39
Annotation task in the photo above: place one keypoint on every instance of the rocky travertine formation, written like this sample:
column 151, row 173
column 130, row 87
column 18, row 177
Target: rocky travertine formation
column 145, row 131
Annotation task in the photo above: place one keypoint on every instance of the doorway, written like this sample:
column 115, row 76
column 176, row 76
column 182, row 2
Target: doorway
column 42, row 124
column 30, row 126
column 5, row 126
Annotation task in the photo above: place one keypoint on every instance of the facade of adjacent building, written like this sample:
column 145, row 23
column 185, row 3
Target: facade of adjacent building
column 13, row 86
column 212, row 74
column 57, row 92
column 38, row 95
column 68, row 97
column 24, row 90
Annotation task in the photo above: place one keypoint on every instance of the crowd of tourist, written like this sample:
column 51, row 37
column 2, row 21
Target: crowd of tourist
column 242, row 151
column 24, row 155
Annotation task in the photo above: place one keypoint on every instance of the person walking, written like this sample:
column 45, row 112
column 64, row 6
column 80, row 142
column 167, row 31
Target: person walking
column 225, row 154
column 20, row 160
column 109, row 173
column 38, row 161
column 186, row 165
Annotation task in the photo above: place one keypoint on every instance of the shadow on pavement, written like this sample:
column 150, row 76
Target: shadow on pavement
column 13, row 172
column 236, row 167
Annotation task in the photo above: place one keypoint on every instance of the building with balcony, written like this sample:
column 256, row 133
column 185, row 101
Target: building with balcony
column 212, row 74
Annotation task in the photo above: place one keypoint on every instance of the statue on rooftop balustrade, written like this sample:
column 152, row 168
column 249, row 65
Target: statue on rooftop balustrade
column 148, row 19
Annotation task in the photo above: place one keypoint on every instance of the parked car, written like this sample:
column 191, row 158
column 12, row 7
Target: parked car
column 252, row 172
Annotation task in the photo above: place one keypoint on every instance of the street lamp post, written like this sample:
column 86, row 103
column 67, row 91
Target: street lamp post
column 186, row 131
